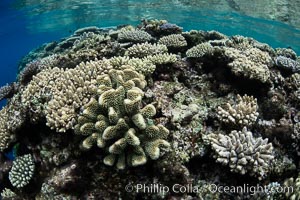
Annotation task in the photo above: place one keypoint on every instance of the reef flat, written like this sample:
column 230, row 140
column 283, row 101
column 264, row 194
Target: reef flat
column 152, row 112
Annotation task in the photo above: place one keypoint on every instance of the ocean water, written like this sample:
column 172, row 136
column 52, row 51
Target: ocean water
column 26, row 24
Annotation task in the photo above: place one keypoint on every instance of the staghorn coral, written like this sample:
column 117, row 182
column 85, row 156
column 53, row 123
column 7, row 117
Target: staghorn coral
column 134, row 36
column 117, row 122
column 250, row 63
column 22, row 171
column 242, row 152
column 200, row 50
column 173, row 41
column 146, row 49
column 243, row 113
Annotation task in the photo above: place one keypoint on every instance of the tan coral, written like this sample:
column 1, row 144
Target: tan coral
column 251, row 63
column 243, row 113
column 242, row 152
column 5, row 134
column 146, row 49
column 72, row 90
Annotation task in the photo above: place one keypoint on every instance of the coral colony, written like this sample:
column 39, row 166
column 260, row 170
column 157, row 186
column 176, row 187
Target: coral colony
column 152, row 112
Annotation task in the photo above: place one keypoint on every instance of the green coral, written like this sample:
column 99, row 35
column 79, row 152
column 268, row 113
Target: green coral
column 22, row 171
column 118, row 123
column 173, row 41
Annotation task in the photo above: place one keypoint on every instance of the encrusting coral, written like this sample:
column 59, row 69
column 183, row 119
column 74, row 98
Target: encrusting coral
column 117, row 122
column 242, row 113
column 243, row 152
column 22, row 171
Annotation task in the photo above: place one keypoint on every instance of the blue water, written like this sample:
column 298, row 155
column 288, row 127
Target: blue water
column 26, row 24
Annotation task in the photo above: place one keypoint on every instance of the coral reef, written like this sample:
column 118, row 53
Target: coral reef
column 163, row 106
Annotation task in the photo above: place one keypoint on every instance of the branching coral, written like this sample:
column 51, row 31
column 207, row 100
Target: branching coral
column 173, row 41
column 134, row 36
column 200, row 50
column 72, row 90
column 242, row 152
column 89, row 40
column 292, row 186
column 12, row 117
column 117, row 122
column 144, row 65
column 251, row 63
column 22, row 171
column 243, row 113
column 161, row 59
column 146, row 49
column 8, row 194
column 5, row 134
